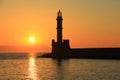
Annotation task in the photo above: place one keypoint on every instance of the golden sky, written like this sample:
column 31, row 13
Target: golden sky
column 86, row 23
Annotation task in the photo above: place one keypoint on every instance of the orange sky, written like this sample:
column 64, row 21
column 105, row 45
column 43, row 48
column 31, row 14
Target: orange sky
column 87, row 23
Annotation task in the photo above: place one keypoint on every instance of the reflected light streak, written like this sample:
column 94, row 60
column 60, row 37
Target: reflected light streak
column 32, row 69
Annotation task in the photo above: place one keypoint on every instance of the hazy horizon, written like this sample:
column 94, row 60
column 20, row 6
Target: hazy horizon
column 26, row 49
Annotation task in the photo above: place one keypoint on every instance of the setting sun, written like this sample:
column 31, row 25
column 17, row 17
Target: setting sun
column 32, row 39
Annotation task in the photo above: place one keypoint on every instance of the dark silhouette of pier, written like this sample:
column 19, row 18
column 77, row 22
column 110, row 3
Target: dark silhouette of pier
column 61, row 48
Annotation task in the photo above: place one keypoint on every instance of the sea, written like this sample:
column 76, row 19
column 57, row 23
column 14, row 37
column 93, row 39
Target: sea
column 21, row 66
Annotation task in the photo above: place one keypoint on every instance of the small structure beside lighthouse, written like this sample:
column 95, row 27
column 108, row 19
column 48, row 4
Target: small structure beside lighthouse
column 60, row 48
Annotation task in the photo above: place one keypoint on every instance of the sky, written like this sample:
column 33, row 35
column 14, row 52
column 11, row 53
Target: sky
column 86, row 23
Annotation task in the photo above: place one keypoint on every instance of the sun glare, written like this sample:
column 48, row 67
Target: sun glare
column 32, row 39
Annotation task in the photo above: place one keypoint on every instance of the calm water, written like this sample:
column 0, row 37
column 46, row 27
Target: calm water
column 19, row 67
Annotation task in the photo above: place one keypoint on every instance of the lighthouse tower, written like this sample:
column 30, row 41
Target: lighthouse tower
column 59, row 27
column 60, row 48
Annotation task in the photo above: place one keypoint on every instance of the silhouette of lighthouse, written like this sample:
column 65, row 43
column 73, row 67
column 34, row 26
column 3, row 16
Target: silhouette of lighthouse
column 59, row 27
column 60, row 48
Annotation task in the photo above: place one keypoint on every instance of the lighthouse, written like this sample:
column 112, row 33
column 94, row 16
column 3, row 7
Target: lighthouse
column 59, row 27
column 60, row 48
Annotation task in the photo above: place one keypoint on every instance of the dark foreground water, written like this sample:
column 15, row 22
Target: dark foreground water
column 19, row 67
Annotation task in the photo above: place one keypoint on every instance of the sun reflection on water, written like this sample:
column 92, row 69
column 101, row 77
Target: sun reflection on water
column 32, row 69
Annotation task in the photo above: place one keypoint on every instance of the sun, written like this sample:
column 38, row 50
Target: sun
column 32, row 39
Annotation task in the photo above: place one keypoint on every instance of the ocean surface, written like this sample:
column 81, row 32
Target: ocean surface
column 25, row 67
